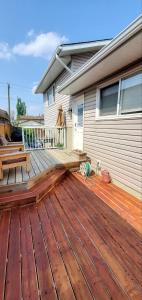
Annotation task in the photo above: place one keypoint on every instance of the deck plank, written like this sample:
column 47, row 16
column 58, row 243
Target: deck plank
column 102, row 285
column 128, row 283
column 76, row 277
column 4, row 236
column 60, row 274
column 28, row 275
column 13, row 275
column 71, row 245
column 126, row 205
column 122, row 247
column 45, row 279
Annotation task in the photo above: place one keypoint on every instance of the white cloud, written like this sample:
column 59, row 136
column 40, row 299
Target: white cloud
column 43, row 45
column 30, row 33
column 5, row 52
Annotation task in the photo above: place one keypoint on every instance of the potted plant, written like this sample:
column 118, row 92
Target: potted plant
column 106, row 178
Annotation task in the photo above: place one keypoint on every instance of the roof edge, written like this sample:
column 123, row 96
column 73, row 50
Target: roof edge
column 119, row 39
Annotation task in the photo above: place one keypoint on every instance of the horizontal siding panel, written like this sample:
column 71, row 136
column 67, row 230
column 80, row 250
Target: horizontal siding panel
column 105, row 153
column 108, row 140
column 118, row 173
column 116, row 142
column 117, row 146
column 121, row 127
column 134, row 165
column 80, row 59
column 119, row 136
column 114, row 131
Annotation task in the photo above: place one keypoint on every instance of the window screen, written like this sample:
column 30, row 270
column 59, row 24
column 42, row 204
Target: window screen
column 50, row 95
column 108, row 100
column 131, row 94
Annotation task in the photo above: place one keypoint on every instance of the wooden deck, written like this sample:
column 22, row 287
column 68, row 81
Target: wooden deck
column 72, row 245
column 41, row 160
column 126, row 205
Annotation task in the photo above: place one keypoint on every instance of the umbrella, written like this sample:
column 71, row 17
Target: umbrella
column 60, row 118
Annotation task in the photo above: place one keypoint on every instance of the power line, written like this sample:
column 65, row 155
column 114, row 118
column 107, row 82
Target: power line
column 17, row 85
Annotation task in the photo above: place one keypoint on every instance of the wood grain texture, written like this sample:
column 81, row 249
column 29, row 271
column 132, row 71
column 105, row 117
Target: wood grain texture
column 72, row 245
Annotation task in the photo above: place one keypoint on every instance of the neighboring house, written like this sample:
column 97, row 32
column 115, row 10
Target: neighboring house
column 66, row 61
column 5, row 126
column 31, row 121
column 106, row 101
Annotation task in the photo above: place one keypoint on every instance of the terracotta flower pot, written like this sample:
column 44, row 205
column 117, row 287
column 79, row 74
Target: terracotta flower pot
column 106, row 178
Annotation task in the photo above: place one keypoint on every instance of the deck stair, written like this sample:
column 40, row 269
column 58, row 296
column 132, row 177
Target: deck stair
column 36, row 191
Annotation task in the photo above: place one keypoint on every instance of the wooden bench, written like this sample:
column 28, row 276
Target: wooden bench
column 13, row 160
column 12, row 146
column 7, row 150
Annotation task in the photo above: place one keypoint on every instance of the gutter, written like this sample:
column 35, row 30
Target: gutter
column 122, row 37
column 58, row 51
column 63, row 64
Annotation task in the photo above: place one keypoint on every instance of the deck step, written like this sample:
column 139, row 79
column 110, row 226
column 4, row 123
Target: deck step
column 34, row 194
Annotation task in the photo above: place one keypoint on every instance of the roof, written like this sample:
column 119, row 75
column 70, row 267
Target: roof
column 122, row 50
column 29, row 118
column 65, row 51
column 4, row 115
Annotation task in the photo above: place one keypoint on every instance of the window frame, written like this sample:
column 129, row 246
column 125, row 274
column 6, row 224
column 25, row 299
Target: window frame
column 118, row 115
column 53, row 94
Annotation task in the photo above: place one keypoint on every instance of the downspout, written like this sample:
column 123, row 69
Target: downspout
column 63, row 64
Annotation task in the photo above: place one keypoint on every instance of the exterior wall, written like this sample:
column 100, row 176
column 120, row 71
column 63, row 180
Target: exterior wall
column 116, row 143
column 80, row 59
column 50, row 112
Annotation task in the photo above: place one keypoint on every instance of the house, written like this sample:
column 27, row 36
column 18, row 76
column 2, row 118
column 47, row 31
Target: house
column 103, row 104
column 30, row 121
column 5, row 126
column 67, row 59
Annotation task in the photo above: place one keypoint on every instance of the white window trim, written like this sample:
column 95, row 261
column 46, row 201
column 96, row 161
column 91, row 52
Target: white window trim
column 118, row 115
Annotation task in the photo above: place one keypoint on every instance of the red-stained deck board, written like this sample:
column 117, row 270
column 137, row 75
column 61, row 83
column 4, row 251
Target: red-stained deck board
column 60, row 275
column 46, row 285
column 78, row 282
column 113, row 256
column 101, row 285
column 4, row 235
column 125, row 204
column 13, row 276
column 28, row 274
column 71, row 245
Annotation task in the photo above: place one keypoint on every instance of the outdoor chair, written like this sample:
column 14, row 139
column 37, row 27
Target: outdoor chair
column 4, row 144
column 13, row 160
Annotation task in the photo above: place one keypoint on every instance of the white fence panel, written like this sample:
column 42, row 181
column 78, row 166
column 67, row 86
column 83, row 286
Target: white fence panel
column 43, row 137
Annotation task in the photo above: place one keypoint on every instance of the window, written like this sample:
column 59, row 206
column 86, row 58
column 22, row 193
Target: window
column 51, row 95
column 131, row 94
column 123, row 97
column 80, row 115
column 109, row 97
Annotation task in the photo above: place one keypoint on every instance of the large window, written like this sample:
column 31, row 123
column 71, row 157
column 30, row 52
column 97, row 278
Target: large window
column 123, row 97
column 51, row 95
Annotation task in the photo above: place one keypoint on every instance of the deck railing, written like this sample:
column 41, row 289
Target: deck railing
column 43, row 137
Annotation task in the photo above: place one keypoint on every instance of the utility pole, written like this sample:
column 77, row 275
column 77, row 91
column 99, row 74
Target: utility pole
column 8, row 95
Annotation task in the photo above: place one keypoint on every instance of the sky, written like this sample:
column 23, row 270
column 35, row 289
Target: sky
column 30, row 31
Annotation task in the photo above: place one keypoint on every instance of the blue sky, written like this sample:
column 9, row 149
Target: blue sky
column 30, row 31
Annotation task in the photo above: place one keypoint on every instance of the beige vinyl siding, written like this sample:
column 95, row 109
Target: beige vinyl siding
column 50, row 112
column 80, row 59
column 116, row 143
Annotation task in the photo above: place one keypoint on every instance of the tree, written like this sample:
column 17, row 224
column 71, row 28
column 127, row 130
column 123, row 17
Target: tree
column 21, row 107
